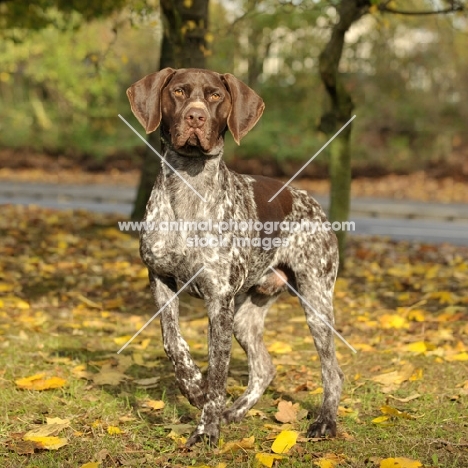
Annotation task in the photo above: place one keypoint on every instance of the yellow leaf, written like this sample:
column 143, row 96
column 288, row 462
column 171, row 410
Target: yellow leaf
column 393, row 321
column 416, row 315
column 390, row 410
column 279, row 347
column 392, row 380
column 325, row 463
column 458, row 357
column 113, row 430
column 246, row 443
column 121, row 340
column 418, row 375
column 267, row 459
column 188, row 3
column 284, row 441
column 155, row 404
column 445, row 297
column 48, row 443
column 91, row 465
column 380, row 419
column 400, row 462
column 13, row 301
column 37, row 382
column 418, row 347
column 317, row 391
column 329, row 460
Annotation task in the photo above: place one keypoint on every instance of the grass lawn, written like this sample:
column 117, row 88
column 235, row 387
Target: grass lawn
column 73, row 290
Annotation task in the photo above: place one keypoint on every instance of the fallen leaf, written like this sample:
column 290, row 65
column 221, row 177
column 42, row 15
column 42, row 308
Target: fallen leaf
column 38, row 382
column 113, row 430
column 400, row 462
column 329, row 460
column 284, row 441
column 109, row 375
column 154, row 404
column 405, row 400
column 147, row 382
column 244, row 444
column 458, row 357
column 49, row 429
column 287, row 412
column 381, row 420
column 418, row 347
column 417, row 375
column 48, row 443
column 267, row 459
column 121, row 340
column 391, row 411
column 22, row 447
column 392, row 380
column 393, row 321
column 91, row 465
column 255, row 412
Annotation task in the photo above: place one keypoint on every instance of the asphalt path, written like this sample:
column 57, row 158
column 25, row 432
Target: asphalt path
column 415, row 221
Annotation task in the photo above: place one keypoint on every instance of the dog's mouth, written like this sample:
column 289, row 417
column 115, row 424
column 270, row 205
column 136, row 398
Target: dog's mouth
column 191, row 142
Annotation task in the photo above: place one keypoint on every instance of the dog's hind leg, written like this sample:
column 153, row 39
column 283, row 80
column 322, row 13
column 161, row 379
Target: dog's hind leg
column 251, row 309
column 316, row 296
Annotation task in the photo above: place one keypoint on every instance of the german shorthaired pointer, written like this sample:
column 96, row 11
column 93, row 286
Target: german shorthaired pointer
column 194, row 109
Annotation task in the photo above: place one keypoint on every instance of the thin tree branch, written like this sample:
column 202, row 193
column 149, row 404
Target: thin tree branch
column 452, row 9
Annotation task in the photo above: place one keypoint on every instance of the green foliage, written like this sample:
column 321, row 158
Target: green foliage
column 62, row 86
column 59, row 13
column 63, row 90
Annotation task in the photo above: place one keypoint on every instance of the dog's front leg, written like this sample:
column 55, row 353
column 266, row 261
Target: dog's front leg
column 188, row 375
column 221, row 320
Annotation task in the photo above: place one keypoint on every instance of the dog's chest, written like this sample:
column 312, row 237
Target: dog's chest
column 184, row 234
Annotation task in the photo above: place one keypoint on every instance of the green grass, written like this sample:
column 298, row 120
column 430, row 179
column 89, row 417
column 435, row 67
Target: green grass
column 61, row 329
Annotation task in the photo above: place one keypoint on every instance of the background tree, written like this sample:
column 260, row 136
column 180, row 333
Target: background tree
column 341, row 104
column 184, row 45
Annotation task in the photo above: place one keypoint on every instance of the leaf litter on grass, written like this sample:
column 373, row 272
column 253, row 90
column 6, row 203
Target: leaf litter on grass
column 72, row 298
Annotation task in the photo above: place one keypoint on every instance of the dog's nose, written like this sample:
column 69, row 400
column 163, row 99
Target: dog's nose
column 195, row 117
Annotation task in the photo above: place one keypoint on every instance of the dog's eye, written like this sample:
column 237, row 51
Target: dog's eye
column 215, row 96
column 179, row 92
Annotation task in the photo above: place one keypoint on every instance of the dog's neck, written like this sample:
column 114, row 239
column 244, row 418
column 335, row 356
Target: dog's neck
column 198, row 186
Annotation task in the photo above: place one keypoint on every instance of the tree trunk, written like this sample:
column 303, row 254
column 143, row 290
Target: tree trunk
column 341, row 107
column 183, row 46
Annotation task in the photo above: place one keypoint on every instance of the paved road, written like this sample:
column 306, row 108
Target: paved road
column 418, row 221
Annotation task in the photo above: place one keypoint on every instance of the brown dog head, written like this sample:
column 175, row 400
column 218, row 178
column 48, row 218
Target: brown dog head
column 195, row 107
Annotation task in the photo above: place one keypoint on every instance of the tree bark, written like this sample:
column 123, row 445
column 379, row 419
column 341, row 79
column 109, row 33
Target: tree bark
column 340, row 111
column 183, row 46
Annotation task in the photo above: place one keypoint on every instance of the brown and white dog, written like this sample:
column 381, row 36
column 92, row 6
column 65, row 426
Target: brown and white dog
column 238, row 282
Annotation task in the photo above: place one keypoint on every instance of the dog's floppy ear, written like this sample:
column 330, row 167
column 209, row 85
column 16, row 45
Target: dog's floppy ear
column 247, row 107
column 145, row 98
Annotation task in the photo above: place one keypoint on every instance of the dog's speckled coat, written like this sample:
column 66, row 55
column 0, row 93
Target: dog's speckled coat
column 195, row 108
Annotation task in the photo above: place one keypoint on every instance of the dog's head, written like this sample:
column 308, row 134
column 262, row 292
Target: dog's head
column 195, row 107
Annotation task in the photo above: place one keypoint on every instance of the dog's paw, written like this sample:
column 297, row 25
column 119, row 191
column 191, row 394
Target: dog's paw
column 208, row 433
column 322, row 428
